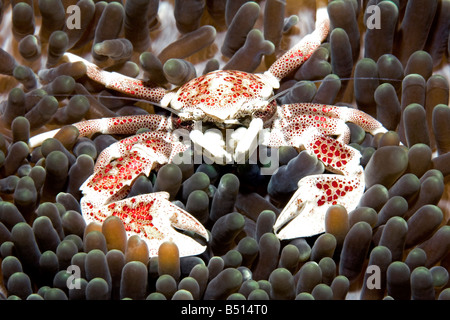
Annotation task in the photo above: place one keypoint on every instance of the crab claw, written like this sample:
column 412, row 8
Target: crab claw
column 304, row 215
column 153, row 217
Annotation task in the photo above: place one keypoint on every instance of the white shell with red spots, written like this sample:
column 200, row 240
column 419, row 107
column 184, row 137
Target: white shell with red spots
column 301, row 52
column 222, row 95
column 336, row 156
column 304, row 215
column 124, row 125
column 293, row 120
column 120, row 164
column 119, row 82
column 153, row 217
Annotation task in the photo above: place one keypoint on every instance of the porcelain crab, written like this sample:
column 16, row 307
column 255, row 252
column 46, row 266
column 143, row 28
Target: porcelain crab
column 224, row 97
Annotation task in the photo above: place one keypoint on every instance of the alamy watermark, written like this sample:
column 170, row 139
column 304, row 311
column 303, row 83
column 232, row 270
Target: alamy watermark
column 221, row 147
column 74, row 280
column 73, row 21
column 374, row 17
column 373, row 21
column 373, row 281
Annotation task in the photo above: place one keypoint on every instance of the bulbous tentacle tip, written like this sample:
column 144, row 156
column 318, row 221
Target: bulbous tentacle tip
column 186, row 245
column 304, row 215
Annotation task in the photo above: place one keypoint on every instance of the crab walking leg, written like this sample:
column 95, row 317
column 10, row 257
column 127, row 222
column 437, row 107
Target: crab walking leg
column 304, row 215
column 116, row 125
column 124, row 125
column 153, row 217
column 119, row 82
column 301, row 52
column 293, row 119
column 362, row 119
column 288, row 128
column 323, row 112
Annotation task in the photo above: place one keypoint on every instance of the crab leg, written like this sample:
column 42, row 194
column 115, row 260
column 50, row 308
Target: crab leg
column 116, row 125
column 153, row 217
column 119, row 82
column 293, row 119
column 125, row 124
column 298, row 54
column 362, row 119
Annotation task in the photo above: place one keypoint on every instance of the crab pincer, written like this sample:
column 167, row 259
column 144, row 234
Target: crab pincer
column 154, row 218
column 121, row 163
column 311, row 127
column 304, row 215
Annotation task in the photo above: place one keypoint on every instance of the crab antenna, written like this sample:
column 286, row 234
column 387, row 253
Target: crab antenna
column 279, row 94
